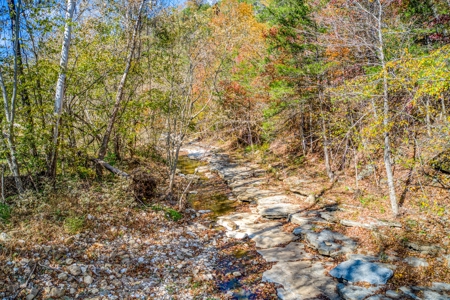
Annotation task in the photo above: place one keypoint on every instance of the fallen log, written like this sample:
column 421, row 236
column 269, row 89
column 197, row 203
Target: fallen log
column 110, row 168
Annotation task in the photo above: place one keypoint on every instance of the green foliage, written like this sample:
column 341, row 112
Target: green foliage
column 5, row 212
column 73, row 225
column 298, row 160
column 169, row 213
column 85, row 173
column 111, row 158
column 252, row 148
column 173, row 214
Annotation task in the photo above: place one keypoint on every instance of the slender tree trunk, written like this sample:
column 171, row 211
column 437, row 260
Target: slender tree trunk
column 10, row 106
column 428, row 118
column 23, row 90
column 60, row 85
column 386, row 117
column 119, row 96
column 325, row 140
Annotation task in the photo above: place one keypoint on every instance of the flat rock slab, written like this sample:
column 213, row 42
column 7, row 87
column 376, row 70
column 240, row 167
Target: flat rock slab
column 292, row 252
column 239, row 219
column 304, row 229
column 278, row 211
column 301, row 280
column 362, row 257
column 240, row 186
column 362, row 271
column 432, row 295
column 253, row 194
column 300, row 219
column 416, row 262
column 355, row 292
column 274, row 200
column 268, row 235
column 424, row 248
column 229, row 173
column 302, row 186
column 358, row 224
column 330, row 243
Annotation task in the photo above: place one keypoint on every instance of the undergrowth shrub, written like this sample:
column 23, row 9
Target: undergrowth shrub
column 169, row 213
column 73, row 225
column 5, row 212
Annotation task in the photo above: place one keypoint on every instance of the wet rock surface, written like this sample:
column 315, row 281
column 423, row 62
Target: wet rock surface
column 362, row 271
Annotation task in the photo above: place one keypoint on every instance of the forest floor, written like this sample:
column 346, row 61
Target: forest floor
column 92, row 240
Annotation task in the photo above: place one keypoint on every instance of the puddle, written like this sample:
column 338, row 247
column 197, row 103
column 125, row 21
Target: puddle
column 219, row 204
column 188, row 166
column 240, row 253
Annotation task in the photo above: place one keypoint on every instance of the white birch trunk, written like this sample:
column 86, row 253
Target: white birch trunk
column 60, row 85
column 386, row 116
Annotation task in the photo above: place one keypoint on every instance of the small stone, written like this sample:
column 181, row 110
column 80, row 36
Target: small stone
column 56, row 292
column 447, row 258
column 69, row 261
column 63, row 276
column 416, row 262
column 74, row 270
column 72, row 291
column 311, row 199
column 237, row 274
column 88, row 279
column 4, row 237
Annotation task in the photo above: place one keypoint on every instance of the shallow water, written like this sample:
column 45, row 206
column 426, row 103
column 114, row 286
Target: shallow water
column 188, row 166
column 218, row 202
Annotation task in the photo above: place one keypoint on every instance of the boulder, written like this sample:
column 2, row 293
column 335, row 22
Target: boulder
column 362, row 271
column 330, row 243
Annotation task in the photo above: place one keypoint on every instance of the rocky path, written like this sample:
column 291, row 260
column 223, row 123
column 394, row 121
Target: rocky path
column 304, row 256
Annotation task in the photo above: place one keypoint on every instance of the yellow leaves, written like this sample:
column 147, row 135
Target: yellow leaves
column 236, row 29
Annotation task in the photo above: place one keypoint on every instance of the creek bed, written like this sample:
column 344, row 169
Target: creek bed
column 212, row 194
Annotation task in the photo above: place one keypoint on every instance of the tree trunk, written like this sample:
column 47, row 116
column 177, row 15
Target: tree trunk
column 428, row 117
column 10, row 107
column 60, row 85
column 104, row 146
column 325, row 141
column 386, row 117
column 23, row 91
